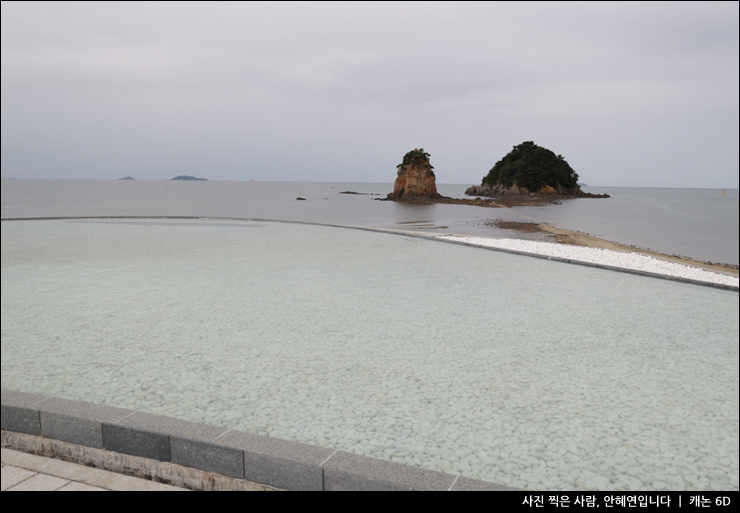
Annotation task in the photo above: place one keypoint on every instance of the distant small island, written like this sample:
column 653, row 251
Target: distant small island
column 186, row 177
column 127, row 178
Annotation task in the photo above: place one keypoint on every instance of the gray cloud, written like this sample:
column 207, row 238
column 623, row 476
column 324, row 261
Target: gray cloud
column 630, row 93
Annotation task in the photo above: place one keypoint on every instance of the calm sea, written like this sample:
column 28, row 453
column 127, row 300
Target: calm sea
column 696, row 223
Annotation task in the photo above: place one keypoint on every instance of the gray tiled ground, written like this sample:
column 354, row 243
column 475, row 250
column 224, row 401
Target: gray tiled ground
column 23, row 471
column 11, row 476
column 40, row 483
column 74, row 486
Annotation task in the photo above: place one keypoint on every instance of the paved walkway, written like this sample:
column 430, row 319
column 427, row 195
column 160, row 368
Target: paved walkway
column 27, row 472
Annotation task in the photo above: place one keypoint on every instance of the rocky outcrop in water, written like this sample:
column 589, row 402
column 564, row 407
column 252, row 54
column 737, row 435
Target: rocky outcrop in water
column 415, row 180
column 514, row 191
column 495, row 191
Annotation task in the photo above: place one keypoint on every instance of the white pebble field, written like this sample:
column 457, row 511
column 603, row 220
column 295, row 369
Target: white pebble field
column 607, row 257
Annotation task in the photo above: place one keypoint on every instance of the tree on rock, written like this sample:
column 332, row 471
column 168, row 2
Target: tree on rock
column 533, row 168
column 415, row 180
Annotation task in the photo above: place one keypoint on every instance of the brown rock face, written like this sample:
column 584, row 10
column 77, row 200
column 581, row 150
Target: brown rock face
column 416, row 180
column 547, row 190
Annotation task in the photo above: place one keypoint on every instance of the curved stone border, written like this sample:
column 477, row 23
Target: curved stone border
column 233, row 454
column 408, row 234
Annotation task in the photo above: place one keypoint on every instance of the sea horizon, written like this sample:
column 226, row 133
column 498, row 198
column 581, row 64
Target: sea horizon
column 204, row 179
column 700, row 224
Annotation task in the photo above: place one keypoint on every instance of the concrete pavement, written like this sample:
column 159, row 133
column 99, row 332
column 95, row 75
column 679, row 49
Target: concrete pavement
column 27, row 472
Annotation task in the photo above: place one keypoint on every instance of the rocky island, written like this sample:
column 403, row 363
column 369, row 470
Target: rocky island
column 186, row 177
column 531, row 173
column 527, row 179
column 415, row 179
column 415, row 182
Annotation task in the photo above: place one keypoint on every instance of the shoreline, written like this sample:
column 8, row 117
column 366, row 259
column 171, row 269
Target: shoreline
column 575, row 238
column 589, row 250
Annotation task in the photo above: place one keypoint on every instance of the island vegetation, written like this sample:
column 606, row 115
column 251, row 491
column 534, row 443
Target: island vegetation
column 532, row 167
column 416, row 156
column 531, row 171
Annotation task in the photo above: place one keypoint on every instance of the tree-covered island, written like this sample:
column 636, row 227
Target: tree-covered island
column 533, row 167
column 531, row 170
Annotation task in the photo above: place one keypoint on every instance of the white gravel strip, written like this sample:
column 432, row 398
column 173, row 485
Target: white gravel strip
column 609, row 257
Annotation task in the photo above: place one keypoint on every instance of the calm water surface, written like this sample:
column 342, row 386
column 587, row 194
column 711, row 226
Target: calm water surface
column 697, row 223
column 515, row 370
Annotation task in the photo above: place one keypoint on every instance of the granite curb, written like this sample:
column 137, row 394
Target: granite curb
column 233, row 454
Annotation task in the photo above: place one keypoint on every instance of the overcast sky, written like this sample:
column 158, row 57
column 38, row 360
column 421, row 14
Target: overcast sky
column 631, row 94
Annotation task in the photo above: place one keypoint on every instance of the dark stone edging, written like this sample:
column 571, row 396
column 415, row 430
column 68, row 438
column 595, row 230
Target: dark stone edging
column 260, row 459
column 434, row 237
